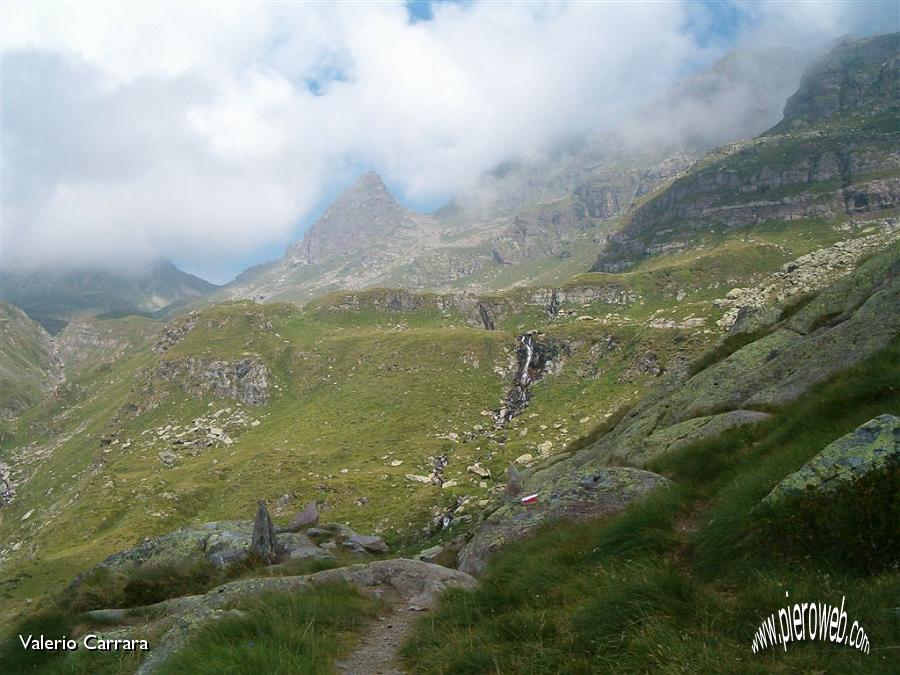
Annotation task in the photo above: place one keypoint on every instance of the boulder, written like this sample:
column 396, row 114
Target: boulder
column 297, row 546
column 221, row 543
column 168, row 458
column 369, row 543
column 600, row 492
column 226, row 547
column 870, row 447
column 307, row 517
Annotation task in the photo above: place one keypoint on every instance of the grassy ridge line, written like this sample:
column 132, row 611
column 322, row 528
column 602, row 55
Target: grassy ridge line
column 680, row 581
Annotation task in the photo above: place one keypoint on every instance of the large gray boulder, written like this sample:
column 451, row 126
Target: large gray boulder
column 870, row 447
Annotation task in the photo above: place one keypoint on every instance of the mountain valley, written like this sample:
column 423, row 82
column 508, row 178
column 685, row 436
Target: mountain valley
column 643, row 344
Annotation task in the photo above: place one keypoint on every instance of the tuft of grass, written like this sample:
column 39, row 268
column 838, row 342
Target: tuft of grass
column 300, row 632
column 146, row 585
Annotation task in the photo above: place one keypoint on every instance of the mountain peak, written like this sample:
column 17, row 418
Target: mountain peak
column 363, row 212
column 369, row 180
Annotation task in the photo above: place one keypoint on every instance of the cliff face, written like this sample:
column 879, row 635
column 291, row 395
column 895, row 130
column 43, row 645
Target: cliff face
column 856, row 77
column 836, row 154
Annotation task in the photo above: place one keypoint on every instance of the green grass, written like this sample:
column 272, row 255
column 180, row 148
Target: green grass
column 300, row 632
column 680, row 581
column 61, row 624
column 350, row 390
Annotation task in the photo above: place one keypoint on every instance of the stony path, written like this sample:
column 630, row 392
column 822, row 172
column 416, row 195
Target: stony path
column 376, row 653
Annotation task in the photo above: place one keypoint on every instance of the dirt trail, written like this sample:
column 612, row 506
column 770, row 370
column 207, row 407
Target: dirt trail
column 376, row 653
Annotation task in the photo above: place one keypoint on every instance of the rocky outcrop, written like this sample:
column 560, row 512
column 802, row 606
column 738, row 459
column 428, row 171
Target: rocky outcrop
column 870, row 447
column 806, row 274
column 845, row 323
column 829, row 158
column 826, row 91
column 7, row 489
column 610, row 293
column 245, row 380
column 573, row 496
column 175, row 331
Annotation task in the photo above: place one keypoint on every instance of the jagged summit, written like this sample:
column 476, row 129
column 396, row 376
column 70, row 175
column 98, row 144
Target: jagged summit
column 361, row 213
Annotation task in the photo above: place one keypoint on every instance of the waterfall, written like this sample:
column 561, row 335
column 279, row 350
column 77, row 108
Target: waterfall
column 532, row 357
column 528, row 343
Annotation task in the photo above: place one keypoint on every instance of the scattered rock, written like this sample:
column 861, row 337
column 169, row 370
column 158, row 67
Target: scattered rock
column 479, row 470
column 168, row 458
column 418, row 479
column 524, row 459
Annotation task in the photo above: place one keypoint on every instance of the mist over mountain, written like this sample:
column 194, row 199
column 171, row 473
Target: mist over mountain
column 52, row 297
column 218, row 151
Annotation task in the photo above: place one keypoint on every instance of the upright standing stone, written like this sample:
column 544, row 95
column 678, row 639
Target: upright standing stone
column 263, row 541
column 513, row 484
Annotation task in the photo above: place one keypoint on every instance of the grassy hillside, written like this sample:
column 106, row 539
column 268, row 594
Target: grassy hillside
column 356, row 382
column 351, row 392
column 29, row 365
column 681, row 581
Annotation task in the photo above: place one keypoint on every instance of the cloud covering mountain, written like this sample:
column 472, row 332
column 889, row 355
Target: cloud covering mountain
column 206, row 133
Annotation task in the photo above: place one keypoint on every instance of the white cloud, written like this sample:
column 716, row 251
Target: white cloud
column 189, row 129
